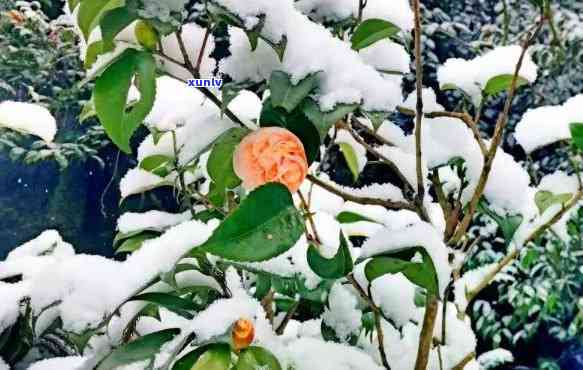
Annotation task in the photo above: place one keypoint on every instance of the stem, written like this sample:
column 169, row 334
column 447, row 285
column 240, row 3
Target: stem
column 511, row 256
column 426, row 336
column 496, row 140
column 288, row 316
column 377, row 318
column 464, row 362
column 310, row 217
column 181, row 176
column 419, row 105
column 360, row 200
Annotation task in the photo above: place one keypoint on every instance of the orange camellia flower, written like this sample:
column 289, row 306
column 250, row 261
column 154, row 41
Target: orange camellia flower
column 271, row 154
column 242, row 334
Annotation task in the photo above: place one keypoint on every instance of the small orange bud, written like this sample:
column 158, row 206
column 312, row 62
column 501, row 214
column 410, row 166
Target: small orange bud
column 243, row 334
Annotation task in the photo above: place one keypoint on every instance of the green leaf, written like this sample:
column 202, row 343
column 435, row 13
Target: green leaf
column 297, row 123
column 90, row 12
column 111, row 92
column 376, row 118
column 217, row 357
column 173, row 303
column 73, row 4
column 93, row 51
column 331, row 268
column 323, row 121
column 577, row 134
column 529, row 258
column 371, row 31
column 422, row 273
column 253, row 358
column 545, row 199
column 112, row 23
column 141, row 349
column 351, row 159
column 502, row 83
column 254, row 33
column 508, row 224
column 449, row 86
column 286, row 95
column 134, row 243
column 346, row 217
column 158, row 164
column 265, row 225
column 220, row 162
column 187, row 361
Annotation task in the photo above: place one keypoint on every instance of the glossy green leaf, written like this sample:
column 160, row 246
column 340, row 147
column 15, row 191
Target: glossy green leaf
column 187, row 361
column 141, row 349
column 73, row 4
column 112, row 23
column 508, row 224
column 111, row 92
column 217, row 357
column 351, row 159
column 297, row 123
column 134, row 243
column 577, row 134
column 421, row 273
column 288, row 96
column 346, row 217
column 323, row 121
column 253, row 358
column 331, row 268
column 158, row 164
column 173, row 303
column 502, row 83
column 220, row 162
column 91, row 11
column 371, row 31
column 93, row 51
column 265, row 225
column 376, row 118
column 545, row 199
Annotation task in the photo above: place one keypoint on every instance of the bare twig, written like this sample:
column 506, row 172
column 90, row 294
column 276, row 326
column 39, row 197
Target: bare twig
column 310, row 217
column 419, row 105
column 377, row 318
column 511, row 256
column 288, row 316
column 356, row 123
column 464, row 361
column 426, row 336
column 497, row 138
column 395, row 205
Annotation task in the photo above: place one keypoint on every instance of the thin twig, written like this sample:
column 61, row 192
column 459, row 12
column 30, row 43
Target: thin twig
column 426, row 335
column 377, row 318
column 496, row 140
column 394, row 205
column 419, row 105
column 464, row 361
column 356, row 122
column 310, row 217
column 288, row 316
column 511, row 256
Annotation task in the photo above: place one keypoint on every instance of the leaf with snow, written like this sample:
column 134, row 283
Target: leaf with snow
column 27, row 118
column 502, row 83
column 577, row 134
column 331, row 268
column 545, row 199
column 141, row 349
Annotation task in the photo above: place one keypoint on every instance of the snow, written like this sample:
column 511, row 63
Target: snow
column 58, row 363
column 28, row 118
column 397, row 12
column 381, row 191
column 468, row 282
column 472, row 75
column 548, row 124
column 151, row 220
column 494, row 358
column 3, row 365
column 192, row 35
column 345, row 77
column 386, row 55
column 419, row 234
column 307, row 354
column 137, row 181
column 341, row 313
column 392, row 288
column 68, row 279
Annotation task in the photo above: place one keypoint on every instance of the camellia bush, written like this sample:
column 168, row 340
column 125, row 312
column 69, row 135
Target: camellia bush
column 274, row 263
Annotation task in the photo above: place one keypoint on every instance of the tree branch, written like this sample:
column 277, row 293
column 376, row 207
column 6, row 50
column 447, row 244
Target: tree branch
column 419, row 105
column 496, row 140
column 360, row 200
